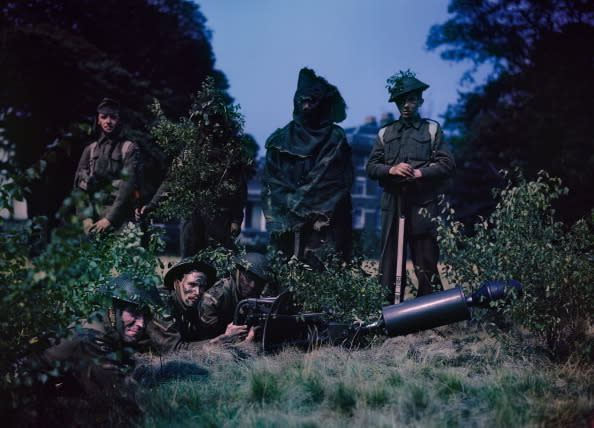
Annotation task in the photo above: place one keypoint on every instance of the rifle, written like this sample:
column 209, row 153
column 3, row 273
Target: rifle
column 281, row 325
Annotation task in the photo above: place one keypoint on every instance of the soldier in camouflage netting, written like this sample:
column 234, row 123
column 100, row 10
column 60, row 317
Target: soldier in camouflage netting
column 206, row 185
column 308, row 175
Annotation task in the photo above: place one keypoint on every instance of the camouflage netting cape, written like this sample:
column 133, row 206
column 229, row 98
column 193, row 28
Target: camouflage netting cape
column 308, row 172
column 288, row 203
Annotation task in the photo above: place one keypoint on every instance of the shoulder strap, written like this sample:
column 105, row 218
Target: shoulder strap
column 126, row 148
column 432, row 132
column 381, row 133
column 92, row 148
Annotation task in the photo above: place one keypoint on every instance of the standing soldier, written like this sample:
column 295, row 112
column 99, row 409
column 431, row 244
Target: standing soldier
column 308, row 175
column 206, row 184
column 410, row 159
column 109, row 172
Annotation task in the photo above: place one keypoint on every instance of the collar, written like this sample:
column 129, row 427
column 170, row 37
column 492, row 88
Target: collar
column 116, row 136
column 414, row 123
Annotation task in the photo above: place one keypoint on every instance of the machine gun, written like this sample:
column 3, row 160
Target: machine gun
column 280, row 324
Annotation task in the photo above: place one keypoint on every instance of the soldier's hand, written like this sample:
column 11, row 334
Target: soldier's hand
column 402, row 169
column 320, row 223
column 236, row 330
column 235, row 229
column 87, row 225
column 252, row 334
column 100, row 226
column 139, row 212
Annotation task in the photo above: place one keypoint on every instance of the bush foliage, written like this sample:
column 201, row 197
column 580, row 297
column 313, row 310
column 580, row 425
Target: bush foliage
column 521, row 240
column 347, row 291
column 42, row 293
column 209, row 152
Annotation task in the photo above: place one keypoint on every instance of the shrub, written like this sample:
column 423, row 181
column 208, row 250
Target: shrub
column 345, row 290
column 210, row 154
column 521, row 240
column 44, row 291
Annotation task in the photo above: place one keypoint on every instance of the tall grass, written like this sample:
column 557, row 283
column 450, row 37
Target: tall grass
column 448, row 377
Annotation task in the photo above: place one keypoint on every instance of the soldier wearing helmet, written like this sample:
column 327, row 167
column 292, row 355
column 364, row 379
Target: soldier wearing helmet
column 95, row 361
column 248, row 279
column 410, row 159
column 187, row 281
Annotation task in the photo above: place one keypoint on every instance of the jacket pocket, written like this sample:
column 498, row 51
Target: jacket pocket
column 420, row 150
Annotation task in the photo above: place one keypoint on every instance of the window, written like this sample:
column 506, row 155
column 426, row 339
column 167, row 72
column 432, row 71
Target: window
column 360, row 186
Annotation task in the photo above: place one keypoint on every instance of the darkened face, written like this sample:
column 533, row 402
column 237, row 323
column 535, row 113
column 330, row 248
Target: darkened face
column 249, row 284
column 408, row 105
column 108, row 122
column 191, row 287
column 308, row 101
column 133, row 322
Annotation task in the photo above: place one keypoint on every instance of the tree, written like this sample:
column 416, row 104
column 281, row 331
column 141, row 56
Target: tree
column 535, row 110
column 60, row 57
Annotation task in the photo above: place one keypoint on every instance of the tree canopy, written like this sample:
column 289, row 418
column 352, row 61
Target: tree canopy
column 60, row 57
column 534, row 111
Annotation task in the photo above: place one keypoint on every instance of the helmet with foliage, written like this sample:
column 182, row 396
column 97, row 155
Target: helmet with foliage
column 130, row 288
column 256, row 263
column 402, row 83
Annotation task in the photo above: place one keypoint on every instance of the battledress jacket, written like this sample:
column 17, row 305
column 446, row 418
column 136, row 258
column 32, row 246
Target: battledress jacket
column 111, row 162
column 175, row 331
column 218, row 306
column 97, row 359
column 308, row 177
column 410, row 142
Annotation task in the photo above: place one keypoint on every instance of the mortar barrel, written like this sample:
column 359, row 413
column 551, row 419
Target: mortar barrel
column 426, row 312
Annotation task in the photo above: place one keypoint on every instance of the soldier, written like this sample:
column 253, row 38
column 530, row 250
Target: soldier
column 249, row 278
column 187, row 281
column 411, row 160
column 214, row 220
column 109, row 172
column 308, row 175
column 94, row 363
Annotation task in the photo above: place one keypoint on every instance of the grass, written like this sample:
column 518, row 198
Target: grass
column 455, row 376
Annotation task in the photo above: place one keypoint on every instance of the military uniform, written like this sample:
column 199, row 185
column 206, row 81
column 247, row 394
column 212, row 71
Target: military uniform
column 110, row 161
column 94, row 383
column 182, row 325
column 175, row 331
column 410, row 141
column 218, row 306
